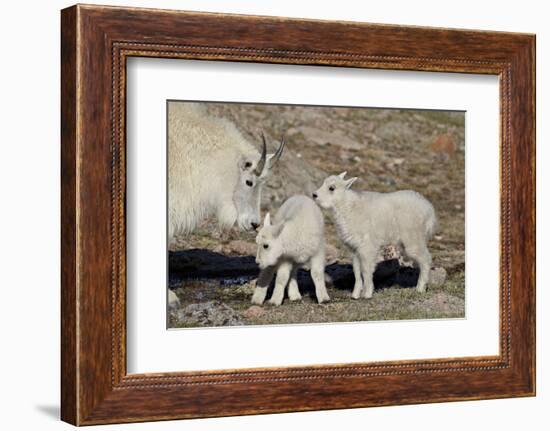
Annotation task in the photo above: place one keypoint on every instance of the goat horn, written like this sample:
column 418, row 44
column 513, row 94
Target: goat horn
column 261, row 163
column 278, row 153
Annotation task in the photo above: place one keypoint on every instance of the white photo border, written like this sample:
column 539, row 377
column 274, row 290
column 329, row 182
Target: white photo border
column 153, row 348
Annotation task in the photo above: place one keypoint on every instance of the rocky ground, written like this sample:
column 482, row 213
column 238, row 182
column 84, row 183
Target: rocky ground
column 388, row 149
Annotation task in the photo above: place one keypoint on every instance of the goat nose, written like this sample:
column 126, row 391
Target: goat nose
column 314, row 195
column 254, row 225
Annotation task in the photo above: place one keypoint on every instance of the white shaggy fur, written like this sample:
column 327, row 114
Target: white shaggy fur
column 211, row 171
column 295, row 239
column 366, row 221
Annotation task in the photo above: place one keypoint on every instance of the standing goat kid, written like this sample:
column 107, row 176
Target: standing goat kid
column 366, row 221
column 295, row 239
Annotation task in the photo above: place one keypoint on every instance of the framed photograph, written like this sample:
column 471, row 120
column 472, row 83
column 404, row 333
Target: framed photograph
column 264, row 215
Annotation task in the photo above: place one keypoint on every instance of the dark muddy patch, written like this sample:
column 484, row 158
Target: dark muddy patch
column 202, row 264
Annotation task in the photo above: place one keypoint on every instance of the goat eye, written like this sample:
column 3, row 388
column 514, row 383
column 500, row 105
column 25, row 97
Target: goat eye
column 249, row 183
column 331, row 188
column 247, row 164
column 266, row 246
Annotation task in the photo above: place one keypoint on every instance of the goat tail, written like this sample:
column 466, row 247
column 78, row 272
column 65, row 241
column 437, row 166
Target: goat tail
column 432, row 225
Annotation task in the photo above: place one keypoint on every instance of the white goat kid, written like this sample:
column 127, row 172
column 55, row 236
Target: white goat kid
column 212, row 170
column 295, row 239
column 366, row 221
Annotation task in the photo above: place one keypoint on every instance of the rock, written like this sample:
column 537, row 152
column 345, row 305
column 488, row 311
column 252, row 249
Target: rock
column 395, row 163
column 240, row 247
column 216, row 232
column 239, row 283
column 208, row 313
column 387, row 180
column 371, row 138
column 344, row 155
column 444, row 146
column 322, row 137
column 254, row 311
column 390, row 252
column 331, row 254
column 173, row 300
column 438, row 276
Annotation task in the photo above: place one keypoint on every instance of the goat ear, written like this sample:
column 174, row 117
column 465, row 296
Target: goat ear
column 267, row 220
column 342, row 175
column 277, row 229
column 350, row 182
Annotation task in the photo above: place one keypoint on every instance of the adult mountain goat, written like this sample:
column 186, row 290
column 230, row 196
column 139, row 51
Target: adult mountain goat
column 212, row 170
column 366, row 221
